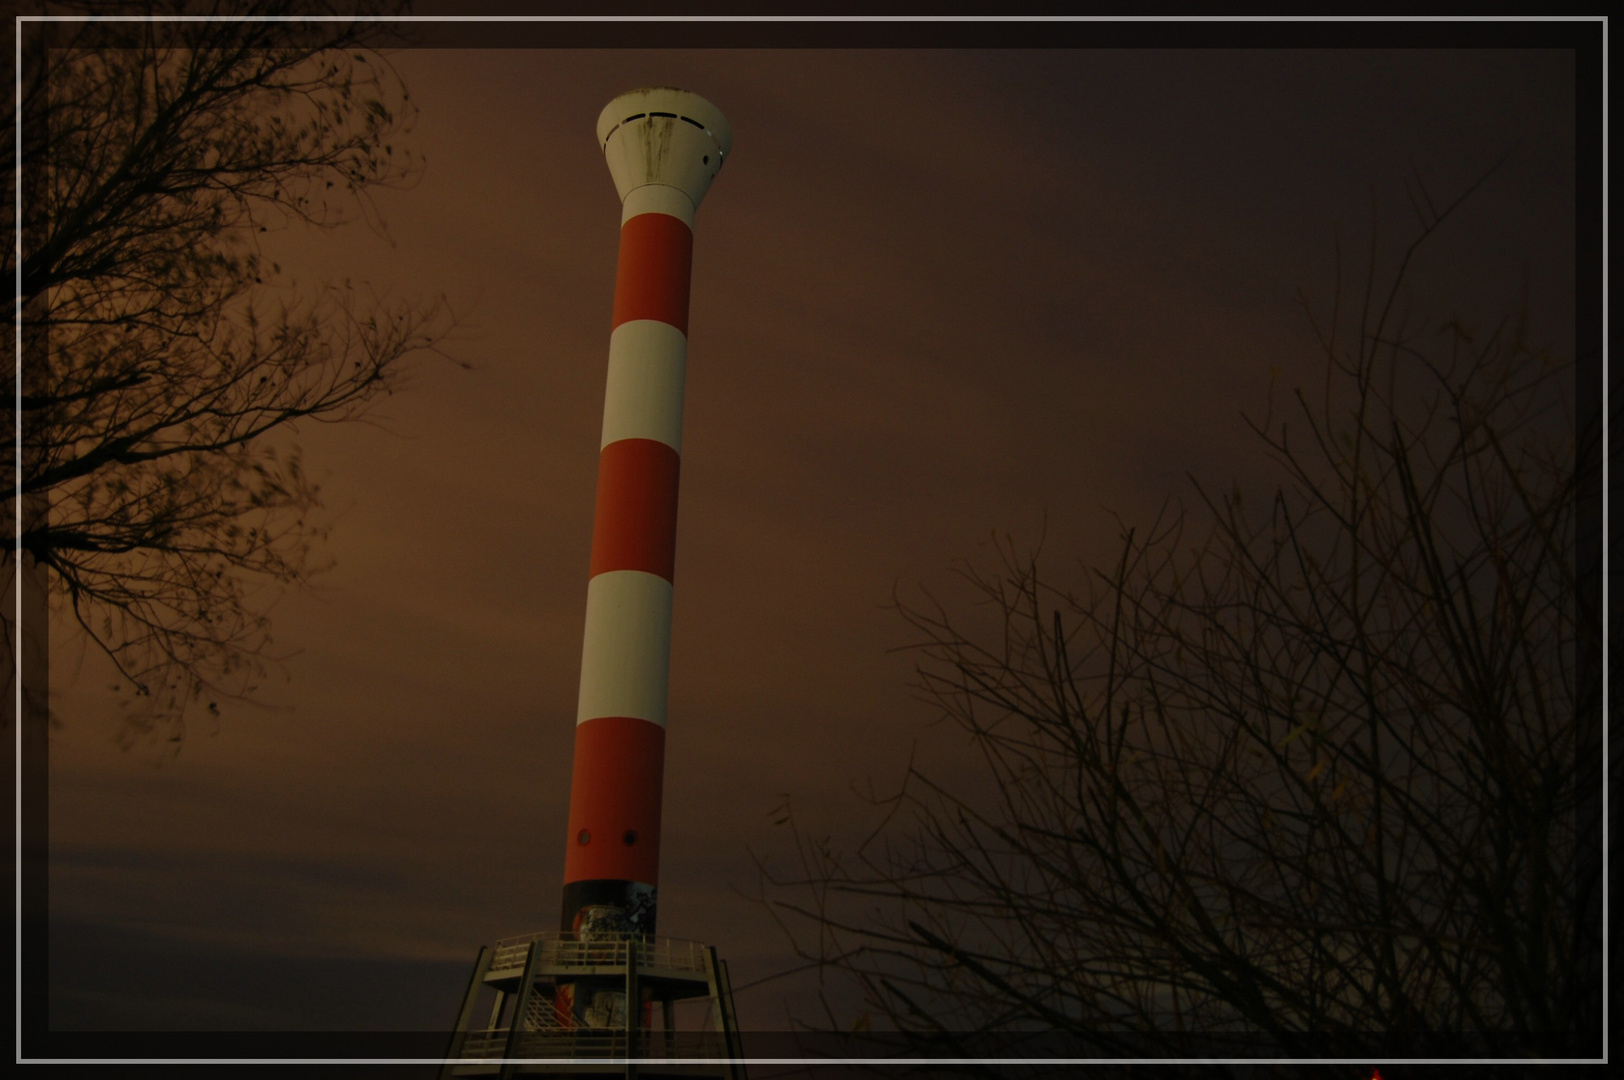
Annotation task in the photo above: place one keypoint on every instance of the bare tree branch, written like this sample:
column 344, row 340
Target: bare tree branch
column 1311, row 779
column 155, row 371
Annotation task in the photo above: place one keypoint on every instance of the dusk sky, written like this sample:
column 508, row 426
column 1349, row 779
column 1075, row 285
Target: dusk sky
column 937, row 294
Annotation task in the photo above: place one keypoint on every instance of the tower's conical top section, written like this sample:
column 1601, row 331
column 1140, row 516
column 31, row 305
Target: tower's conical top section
column 662, row 135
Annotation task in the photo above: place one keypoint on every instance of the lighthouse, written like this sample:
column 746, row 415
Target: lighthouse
column 588, row 989
column 663, row 147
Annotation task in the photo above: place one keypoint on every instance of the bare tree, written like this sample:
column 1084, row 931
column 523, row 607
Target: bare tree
column 155, row 369
column 1310, row 775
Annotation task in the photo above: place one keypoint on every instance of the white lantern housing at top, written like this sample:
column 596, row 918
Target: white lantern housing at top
column 662, row 135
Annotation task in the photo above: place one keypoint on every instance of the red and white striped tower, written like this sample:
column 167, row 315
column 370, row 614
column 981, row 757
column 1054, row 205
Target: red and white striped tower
column 663, row 146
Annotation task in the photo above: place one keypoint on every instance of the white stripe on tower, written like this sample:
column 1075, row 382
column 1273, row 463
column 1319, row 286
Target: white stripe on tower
column 647, row 362
column 663, row 148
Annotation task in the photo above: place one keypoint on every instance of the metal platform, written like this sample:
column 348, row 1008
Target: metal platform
column 530, row 1032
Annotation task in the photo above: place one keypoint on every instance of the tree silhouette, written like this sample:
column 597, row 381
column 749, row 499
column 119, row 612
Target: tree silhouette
column 153, row 366
column 1317, row 776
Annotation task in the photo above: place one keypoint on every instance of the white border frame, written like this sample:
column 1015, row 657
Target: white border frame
column 17, row 649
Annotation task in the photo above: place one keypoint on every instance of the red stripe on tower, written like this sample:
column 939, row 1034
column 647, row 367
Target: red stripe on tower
column 651, row 279
column 615, row 801
column 635, row 527
column 663, row 148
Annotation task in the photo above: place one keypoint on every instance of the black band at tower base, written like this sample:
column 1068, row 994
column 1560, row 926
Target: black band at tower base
column 608, row 906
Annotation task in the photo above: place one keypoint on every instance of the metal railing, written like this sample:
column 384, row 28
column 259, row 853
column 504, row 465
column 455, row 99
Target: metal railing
column 594, row 1043
column 564, row 949
column 677, row 970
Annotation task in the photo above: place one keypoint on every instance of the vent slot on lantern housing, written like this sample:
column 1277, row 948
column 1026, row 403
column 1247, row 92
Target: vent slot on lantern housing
column 674, row 116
